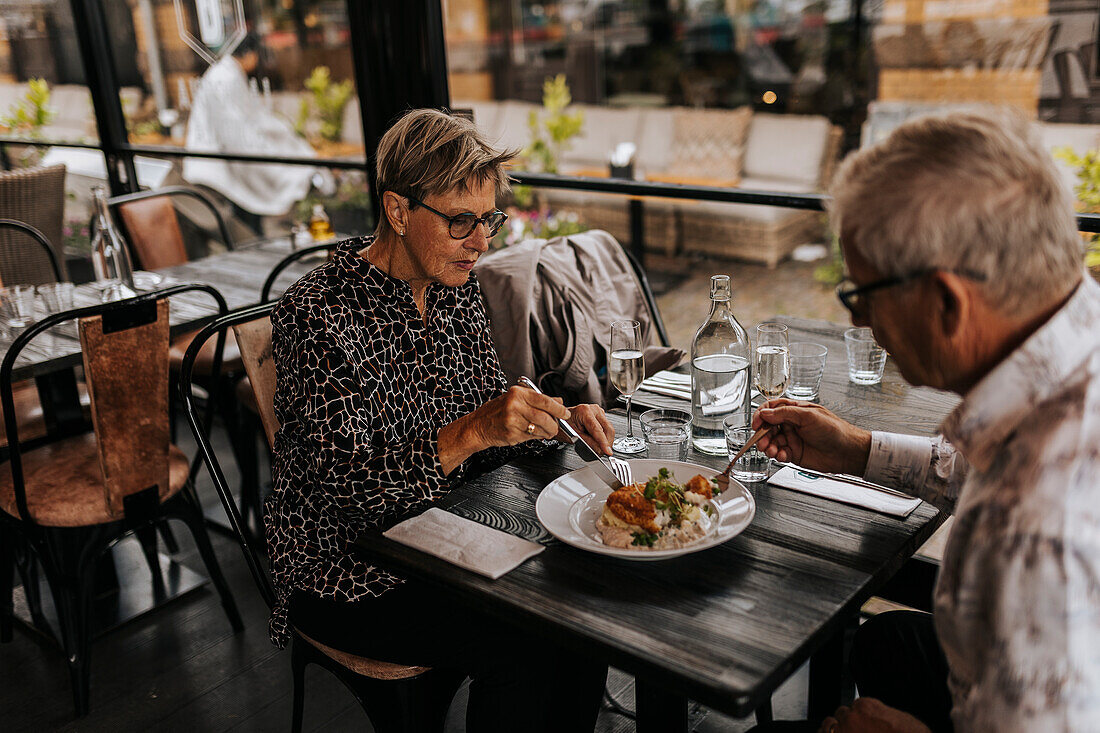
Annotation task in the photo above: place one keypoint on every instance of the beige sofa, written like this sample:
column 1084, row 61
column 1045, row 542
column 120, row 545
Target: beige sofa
column 768, row 152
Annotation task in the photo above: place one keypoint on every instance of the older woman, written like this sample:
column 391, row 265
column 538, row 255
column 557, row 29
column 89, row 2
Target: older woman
column 389, row 392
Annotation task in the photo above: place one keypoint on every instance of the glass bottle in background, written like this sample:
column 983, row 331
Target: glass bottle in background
column 110, row 255
column 720, row 373
column 320, row 227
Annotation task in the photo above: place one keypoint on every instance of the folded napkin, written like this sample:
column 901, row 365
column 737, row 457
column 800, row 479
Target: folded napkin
column 465, row 543
column 839, row 490
column 675, row 384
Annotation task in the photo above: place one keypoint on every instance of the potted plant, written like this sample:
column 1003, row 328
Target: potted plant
column 1087, row 191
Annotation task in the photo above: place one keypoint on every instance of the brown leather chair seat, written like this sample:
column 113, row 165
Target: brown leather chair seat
column 28, row 411
column 65, row 483
column 364, row 665
column 204, row 364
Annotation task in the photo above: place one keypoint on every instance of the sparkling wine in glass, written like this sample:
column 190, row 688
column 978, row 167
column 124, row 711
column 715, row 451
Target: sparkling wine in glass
column 626, row 368
column 771, row 360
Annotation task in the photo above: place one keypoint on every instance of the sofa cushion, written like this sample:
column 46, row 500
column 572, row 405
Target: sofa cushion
column 655, row 130
column 708, row 143
column 509, row 130
column 603, row 129
column 786, row 147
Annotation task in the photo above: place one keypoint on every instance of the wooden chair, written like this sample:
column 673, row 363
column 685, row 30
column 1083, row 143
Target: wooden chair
column 251, row 424
column 70, row 500
column 395, row 697
column 152, row 223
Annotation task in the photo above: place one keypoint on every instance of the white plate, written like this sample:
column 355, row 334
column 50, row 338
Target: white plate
column 570, row 505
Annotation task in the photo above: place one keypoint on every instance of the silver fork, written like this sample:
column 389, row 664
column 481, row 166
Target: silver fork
column 622, row 470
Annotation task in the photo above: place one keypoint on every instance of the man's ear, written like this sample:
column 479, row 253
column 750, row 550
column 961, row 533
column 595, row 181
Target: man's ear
column 952, row 300
column 397, row 211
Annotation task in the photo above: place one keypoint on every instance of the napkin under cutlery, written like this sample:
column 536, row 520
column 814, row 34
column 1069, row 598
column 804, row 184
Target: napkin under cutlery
column 837, row 489
column 463, row 542
column 676, row 384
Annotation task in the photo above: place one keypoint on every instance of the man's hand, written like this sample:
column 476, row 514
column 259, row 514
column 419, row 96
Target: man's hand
column 592, row 425
column 868, row 715
column 811, row 436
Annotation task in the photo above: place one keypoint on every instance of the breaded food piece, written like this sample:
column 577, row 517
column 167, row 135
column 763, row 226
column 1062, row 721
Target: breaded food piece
column 629, row 505
column 700, row 484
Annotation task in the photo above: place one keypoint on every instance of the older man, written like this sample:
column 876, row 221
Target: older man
column 964, row 259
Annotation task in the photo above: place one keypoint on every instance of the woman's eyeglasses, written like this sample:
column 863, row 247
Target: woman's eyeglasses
column 854, row 297
column 463, row 225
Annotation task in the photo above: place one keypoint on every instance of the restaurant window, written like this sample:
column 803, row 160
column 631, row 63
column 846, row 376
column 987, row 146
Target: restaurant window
column 272, row 78
column 43, row 92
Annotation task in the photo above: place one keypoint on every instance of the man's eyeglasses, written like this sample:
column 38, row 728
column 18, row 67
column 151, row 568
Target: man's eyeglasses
column 463, row 225
column 854, row 297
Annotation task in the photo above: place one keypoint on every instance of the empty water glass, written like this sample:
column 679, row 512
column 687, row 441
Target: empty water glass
column 17, row 303
column 866, row 359
column 807, row 368
column 667, row 434
column 753, row 466
column 56, row 297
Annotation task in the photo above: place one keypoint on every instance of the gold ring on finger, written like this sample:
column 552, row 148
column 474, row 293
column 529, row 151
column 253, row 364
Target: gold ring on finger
column 530, row 428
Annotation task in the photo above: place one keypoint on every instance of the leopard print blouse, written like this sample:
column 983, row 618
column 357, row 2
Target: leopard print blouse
column 363, row 386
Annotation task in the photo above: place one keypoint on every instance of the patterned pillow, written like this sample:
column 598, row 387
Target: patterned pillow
column 708, row 143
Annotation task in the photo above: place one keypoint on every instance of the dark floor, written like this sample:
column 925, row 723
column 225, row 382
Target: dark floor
column 181, row 668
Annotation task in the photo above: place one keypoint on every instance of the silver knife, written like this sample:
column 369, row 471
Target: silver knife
column 600, row 465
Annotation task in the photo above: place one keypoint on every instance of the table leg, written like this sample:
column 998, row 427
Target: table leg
column 828, row 675
column 658, row 710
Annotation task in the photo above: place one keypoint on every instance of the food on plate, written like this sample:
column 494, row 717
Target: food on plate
column 658, row 514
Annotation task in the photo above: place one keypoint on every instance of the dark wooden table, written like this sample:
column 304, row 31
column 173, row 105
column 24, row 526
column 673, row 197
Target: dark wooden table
column 725, row 626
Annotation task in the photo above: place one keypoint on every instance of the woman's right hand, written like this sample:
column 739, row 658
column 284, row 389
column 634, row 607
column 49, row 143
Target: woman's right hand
column 504, row 420
column 809, row 435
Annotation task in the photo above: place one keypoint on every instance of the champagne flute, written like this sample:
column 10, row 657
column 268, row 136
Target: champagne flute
column 626, row 368
column 771, row 360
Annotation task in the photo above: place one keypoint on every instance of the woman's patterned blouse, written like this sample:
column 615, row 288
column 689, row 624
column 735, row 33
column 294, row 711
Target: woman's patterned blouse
column 364, row 382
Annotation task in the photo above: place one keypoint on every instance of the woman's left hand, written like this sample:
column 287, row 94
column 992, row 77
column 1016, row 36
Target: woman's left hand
column 592, row 425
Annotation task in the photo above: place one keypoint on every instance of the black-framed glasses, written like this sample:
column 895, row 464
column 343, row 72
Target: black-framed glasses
column 461, row 226
column 854, row 297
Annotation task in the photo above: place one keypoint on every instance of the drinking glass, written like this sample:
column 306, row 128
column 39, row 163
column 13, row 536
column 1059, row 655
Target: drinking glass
column 56, row 298
column 667, row 433
column 17, row 302
column 771, row 360
column 626, row 368
column 753, row 466
column 866, row 359
column 807, row 368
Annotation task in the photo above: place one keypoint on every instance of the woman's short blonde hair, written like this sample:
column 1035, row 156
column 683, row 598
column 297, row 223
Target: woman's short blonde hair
column 972, row 191
column 428, row 152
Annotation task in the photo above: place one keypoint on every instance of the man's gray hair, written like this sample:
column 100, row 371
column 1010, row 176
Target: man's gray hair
column 969, row 192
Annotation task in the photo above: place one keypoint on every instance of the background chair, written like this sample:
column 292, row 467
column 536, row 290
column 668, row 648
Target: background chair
column 70, row 500
column 35, row 197
column 395, row 697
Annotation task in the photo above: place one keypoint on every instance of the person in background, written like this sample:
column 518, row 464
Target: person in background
column 229, row 117
column 389, row 393
column 963, row 256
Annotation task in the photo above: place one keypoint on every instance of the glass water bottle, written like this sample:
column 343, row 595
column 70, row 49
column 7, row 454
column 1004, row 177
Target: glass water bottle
column 720, row 375
column 110, row 255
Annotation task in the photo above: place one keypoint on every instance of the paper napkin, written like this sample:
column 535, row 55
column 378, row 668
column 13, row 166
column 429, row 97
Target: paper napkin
column 465, row 543
column 839, row 490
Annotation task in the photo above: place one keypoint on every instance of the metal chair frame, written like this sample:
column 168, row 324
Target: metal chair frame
column 68, row 554
column 223, row 229
column 411, row 705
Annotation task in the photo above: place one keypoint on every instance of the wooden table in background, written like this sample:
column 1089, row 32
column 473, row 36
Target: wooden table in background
column 725, row 626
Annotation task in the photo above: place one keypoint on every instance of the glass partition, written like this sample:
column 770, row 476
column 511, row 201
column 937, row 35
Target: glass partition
column 270, row 78
column 43, row 92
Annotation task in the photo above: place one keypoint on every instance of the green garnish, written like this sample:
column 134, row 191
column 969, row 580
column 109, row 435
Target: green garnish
column 642, row 538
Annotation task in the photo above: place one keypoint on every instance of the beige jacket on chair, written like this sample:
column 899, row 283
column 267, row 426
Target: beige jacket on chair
column 551, row 304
